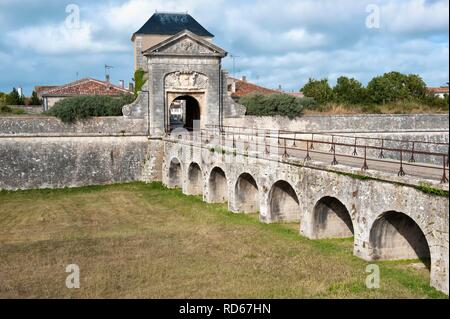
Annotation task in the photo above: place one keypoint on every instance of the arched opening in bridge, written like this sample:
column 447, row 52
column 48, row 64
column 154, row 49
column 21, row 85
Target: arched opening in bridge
column 175, row 173
column 284, row 203
column 218, row 189
column 332, row 219
column 395, row 236
column 246, row 194
column 195, row 184
column 183, row 112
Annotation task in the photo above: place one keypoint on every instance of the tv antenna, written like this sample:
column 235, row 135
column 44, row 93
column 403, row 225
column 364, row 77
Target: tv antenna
column 234, row 57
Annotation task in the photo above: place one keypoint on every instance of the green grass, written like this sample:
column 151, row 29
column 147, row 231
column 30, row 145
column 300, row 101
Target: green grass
column 145, row 241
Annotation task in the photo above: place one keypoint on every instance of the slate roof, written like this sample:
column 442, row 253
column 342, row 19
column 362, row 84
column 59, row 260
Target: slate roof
column 171, row 24
column 87, row 86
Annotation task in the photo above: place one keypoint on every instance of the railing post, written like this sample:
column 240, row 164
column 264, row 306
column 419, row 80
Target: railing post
column 312, row 142
column 365, row 166
column 401, row 172
column 307, row 158
column 444, row 178
column 355, row 153
column 285, row 154
column 333, row 148
column 412, row 159
column 382, row 147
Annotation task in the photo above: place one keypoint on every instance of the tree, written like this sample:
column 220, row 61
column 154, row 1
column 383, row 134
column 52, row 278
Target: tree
column 14, row 98
column 392, row 87
column 416, row 86
column 319, row 90
column 348, row 91
column 35, row 100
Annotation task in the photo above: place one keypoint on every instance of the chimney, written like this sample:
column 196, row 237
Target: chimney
column 122, row 84
column 244, row 78
column 131, row 87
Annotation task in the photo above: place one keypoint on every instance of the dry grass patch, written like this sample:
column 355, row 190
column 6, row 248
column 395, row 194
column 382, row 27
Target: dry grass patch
column 145, row 241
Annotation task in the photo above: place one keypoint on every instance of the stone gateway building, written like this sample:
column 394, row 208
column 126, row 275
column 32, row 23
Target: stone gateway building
column 183, row 67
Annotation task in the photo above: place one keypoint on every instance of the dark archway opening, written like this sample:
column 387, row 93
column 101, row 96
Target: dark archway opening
column 284, row 203
column 218, row 186
column 175, row 173
column 395, row 236
column 183, row 113
column 332, row 219
column 246, row 194
column 195, row 182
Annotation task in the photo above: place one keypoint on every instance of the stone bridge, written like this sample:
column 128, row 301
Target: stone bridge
column 388, row 220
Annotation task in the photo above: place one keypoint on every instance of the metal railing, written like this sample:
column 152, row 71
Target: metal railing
column 290, row 145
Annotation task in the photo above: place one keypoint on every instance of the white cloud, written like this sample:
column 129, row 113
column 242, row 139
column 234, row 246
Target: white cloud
column 58, row 39
column 415, row 16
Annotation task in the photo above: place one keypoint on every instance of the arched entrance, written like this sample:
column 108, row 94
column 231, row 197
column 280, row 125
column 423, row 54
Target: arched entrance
column 395, row 236
column 218, row 188
column 332, row 219
column 183, row 112
column 246, row 194
column 284, row 203
column 195, row 181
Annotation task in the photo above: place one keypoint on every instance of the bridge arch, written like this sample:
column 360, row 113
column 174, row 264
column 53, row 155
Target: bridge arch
column 284, row 204
column 217, row 186
column 194, row 179
column 331, row 219
column 246, row 194
column 174, row 173
column 395, row 236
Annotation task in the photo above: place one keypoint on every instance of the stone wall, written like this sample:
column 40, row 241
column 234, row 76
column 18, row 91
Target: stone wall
column 348, row 123
column 51, row 126
column 58, row 162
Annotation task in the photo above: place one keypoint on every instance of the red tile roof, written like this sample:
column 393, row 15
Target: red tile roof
column 440, row 90
column 43, row 88
column 244, row 88
column 86, row 86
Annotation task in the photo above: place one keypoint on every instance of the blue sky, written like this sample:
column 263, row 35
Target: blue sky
column 278, row 42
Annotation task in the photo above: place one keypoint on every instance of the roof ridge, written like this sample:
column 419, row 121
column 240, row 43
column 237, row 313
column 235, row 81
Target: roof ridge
column 83, row 80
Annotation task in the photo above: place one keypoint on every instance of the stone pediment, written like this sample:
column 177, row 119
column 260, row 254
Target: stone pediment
column 186, row 43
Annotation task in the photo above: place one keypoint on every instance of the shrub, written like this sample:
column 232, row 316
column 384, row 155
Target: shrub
column 81, row 107
column 5, row 109
column 275, row 104
column 139, row 80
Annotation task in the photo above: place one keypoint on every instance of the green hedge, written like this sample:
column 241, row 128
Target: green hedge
column 275, row 104
column 77, row 108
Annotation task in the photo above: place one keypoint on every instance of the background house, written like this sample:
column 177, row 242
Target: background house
column 439, row 92
column 86, row 87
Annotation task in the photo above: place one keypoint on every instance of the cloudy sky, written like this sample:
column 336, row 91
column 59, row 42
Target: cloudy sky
column 276, row 42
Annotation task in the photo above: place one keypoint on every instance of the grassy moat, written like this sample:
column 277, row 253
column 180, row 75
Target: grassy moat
column 145, row 241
